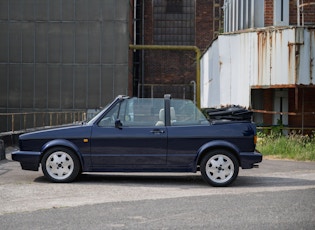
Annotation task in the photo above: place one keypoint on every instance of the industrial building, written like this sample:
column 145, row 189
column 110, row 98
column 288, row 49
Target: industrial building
column 264, row 60
column 60, row 59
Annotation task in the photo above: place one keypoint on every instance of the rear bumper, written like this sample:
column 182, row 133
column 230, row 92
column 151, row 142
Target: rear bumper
column 249, row 159
column 28, row 160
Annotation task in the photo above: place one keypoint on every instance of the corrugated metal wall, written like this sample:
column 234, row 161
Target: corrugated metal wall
column 265, row 58
column 285, row 57
column 62, row 55
column 226, row 70
column 239, row 15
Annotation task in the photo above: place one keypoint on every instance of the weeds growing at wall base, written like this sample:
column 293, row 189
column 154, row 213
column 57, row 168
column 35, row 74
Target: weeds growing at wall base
column 293, row 146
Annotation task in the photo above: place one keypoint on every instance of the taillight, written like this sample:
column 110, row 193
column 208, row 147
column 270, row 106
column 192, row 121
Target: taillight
column 255, row 139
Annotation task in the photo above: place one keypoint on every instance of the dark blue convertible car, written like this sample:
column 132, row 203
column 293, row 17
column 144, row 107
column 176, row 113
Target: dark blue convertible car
column 143, row 135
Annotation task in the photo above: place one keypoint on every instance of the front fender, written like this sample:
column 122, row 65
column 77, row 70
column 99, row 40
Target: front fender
column 63, row 143
column 216, row 144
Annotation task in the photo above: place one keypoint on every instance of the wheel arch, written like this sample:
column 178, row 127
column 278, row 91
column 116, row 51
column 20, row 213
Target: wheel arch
column 215, row 145
column 62, row 143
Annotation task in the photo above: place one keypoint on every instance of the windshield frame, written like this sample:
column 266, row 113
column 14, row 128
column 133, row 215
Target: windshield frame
column 108, row 107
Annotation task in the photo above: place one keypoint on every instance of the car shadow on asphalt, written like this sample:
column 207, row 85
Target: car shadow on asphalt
column 132, row 179
column 181, row 180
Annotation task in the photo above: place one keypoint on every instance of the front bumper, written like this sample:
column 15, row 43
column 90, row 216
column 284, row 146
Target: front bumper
column 28, row 160
column 249, row 159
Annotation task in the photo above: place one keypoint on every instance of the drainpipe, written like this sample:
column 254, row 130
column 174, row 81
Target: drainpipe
column 183, row 48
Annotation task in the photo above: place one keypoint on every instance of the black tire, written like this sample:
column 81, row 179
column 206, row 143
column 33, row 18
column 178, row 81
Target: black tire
column 219, row 168
column 60, row 165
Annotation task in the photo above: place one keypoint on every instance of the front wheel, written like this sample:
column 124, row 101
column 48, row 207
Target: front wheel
column 60, row 165
column 219, row 168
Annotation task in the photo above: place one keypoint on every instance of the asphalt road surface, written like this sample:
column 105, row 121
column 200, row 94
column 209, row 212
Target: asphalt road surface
column 278, row 195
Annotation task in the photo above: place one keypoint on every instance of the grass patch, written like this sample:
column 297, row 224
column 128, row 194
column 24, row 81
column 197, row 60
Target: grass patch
column 294, row 146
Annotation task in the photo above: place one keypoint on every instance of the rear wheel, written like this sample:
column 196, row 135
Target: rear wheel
column 60, row 165
column 219, row 168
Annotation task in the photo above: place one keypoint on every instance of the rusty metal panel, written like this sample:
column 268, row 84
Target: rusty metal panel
column 274, row 58
column 305, row 49
column 262, row 58
column 285, row 57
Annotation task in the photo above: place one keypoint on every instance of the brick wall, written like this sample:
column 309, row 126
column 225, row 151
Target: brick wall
column 204, row 23
column 293, row 13
column 309, row 13
column 269, row 12
column 175, row 67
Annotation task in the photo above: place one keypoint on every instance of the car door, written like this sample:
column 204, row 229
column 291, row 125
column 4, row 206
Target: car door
column 126, row 138
column 188, row 131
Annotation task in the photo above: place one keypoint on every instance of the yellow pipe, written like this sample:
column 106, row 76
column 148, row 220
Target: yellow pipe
column 192, row 48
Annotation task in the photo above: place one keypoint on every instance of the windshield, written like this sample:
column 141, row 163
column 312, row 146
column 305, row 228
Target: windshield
column 96, row 117
column 133, row 112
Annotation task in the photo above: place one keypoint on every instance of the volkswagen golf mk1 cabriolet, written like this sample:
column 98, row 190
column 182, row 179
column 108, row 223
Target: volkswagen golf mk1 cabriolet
column 143, row 135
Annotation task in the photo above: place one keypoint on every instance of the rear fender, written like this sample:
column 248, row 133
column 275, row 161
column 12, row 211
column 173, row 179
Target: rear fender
column 216, row 144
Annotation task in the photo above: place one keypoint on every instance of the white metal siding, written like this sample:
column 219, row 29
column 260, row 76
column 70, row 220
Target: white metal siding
column 210, row 77
column 281, row 12
column 306, row 70
column 239, row 15
column 265, row 58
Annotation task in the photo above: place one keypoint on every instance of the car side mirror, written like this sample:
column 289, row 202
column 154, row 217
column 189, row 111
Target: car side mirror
column 118, row 124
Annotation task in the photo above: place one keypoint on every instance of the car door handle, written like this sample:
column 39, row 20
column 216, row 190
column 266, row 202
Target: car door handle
column 157, row 131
